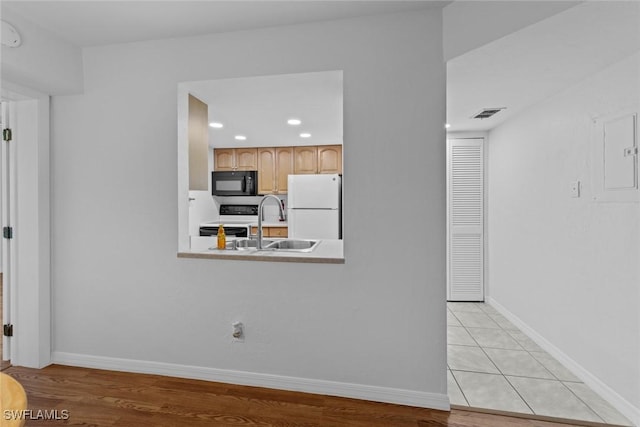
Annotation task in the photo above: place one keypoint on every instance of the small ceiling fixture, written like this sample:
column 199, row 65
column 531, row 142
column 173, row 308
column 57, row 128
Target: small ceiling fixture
column 240, row 137
column 216, row 125
column 10, row 36
column 447, row 125
column 305, row 135
column 487, row 112
column 294, row 122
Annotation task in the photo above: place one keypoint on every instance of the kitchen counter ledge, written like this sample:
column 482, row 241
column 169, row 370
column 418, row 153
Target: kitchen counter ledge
column 327, row 252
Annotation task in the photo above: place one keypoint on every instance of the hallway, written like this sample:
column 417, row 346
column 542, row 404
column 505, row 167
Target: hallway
column 494, row 365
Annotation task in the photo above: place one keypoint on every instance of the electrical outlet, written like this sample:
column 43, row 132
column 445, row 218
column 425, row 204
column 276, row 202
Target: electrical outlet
column 238, row 331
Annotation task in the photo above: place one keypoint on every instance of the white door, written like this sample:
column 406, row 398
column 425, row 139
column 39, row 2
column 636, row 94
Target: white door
column 465, row 220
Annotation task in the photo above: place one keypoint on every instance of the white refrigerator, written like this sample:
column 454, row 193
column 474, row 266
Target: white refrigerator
column 314, row 206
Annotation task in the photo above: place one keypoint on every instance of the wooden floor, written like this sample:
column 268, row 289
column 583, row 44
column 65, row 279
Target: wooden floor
column 105, row 398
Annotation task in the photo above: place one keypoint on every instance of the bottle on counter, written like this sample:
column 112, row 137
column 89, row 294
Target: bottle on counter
column 222, row 238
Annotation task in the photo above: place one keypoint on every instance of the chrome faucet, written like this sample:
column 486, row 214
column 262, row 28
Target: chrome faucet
column 260, row 209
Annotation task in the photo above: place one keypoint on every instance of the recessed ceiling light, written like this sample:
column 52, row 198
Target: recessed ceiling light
column 216, row 125
column 447, row 125
column 294, row 122
column 240, row 137
column 305, row 135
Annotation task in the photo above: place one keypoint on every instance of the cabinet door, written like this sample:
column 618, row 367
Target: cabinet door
column 246, row 159
column 223, row 159
column 330, row 159
column 284, row 167
column 267, row 170
column 278, row 232
column 305, row 160
column 265, row 231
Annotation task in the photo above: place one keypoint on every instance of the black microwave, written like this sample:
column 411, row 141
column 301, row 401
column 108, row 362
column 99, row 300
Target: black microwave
column 234, row 183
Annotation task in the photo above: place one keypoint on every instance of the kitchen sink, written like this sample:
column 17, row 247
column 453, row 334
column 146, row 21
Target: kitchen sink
column 249, row 244
column 285, row 245
column 292, row 245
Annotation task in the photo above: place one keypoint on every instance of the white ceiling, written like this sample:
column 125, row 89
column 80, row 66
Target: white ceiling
column 519, row 65
column 538, row 61
column 259, row 107
column 255, row 107
column 93, row 22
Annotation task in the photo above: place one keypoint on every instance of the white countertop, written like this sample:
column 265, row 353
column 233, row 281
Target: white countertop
column 328, row 251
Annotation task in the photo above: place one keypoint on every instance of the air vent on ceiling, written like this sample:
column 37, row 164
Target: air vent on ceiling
column 487, row 112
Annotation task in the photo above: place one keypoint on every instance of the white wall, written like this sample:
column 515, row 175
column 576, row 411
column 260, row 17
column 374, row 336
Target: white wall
column 43, row 62
column 491, row 20
column 568, row 267
column 32, row 268
column 119, row 291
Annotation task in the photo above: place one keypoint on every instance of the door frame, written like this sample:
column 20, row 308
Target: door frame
column 30, row 275
column 8, row 205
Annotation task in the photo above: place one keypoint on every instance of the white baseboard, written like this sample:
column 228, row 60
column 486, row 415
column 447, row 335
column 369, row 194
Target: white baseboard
column 621, row 404
column 329, row 388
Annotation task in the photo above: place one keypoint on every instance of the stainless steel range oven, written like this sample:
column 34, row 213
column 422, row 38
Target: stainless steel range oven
column 236, row 220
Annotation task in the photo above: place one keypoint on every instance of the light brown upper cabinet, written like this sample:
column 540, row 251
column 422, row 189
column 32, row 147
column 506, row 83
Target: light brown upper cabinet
column 246, row 159
column 318, row 159
column 266, row 170
column 274, row 166
column 198, row 144
column 305, row 160
column 284, row 167
column 330, row 159
column 224, row 159
column 235, row 159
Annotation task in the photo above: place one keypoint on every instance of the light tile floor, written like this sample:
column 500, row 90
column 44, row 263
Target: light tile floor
column 494, row 365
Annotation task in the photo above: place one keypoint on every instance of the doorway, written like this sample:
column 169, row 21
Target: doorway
column 25, row 170
column 7, row 197
column 492, row 364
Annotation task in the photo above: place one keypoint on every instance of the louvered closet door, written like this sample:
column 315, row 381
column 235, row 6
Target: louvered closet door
column 465, row 219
